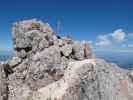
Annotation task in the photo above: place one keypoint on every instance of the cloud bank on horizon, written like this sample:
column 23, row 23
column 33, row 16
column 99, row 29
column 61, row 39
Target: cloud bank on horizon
column 119, row 40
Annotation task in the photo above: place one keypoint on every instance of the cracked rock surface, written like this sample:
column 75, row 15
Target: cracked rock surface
column 50, row 67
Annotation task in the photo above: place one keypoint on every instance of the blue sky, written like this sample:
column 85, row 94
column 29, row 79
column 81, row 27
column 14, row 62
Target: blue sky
column 107, row 23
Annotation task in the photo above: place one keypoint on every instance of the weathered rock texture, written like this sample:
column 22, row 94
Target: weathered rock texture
column 3, row 82
column 92, row 79
column 50, row 67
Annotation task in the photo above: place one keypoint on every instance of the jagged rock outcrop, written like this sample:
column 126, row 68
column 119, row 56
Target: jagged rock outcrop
column 14, row 62
column 130, row 74
column 3, row 82
column 42, row 57
column 92, row 79
column 31, row 36
column 50, row 67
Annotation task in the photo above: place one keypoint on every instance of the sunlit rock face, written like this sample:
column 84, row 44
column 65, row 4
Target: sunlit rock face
column 31, row 36
column 50, row 67
column 41, row 57
column 91, row 79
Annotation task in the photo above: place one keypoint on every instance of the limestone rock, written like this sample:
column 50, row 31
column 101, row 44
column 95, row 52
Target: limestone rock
column 68, row 87
column 110, row 83
column 87, row 51
column 66, row 50
column 3, row 83
column 92, row 79
column 37, row 72
column 14, row 61
column 29, row 35
column 130, row 74
column 43, row 44
column 44, row 56
column 78, row 52
column 50, row 67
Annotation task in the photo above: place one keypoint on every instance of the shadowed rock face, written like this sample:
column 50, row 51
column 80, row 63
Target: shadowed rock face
column 49, row 67
column 3, row 83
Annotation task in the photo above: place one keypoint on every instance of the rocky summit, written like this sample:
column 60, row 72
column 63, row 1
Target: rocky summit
column 49, row 67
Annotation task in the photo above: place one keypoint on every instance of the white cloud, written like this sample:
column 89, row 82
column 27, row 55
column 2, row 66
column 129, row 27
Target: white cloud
column 119, row 35
column 116, row 41
column 103, row 40
column 111, row 39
